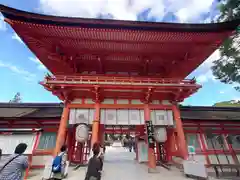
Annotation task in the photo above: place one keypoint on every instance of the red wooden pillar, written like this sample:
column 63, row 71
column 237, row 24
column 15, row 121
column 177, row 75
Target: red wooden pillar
column 180, row 133
column 151, row 154
column 62, row 130
column 96, row 124
column 101, row 134
column 70, row 142
column 203, row 147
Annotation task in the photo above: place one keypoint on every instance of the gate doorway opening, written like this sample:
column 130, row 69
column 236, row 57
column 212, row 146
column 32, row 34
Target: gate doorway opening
column 120, row 143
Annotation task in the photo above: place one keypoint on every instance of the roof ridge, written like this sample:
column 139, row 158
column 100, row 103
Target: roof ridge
column 15, row 14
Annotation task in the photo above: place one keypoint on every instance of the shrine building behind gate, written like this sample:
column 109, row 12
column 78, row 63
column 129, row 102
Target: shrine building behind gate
column 120, row 73
column 37, row 124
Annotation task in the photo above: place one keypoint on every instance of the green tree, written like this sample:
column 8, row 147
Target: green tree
column 232, row 103
column 227, row 68
column 16, row 98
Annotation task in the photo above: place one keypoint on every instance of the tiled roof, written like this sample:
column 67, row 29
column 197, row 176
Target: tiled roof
column 210, row 113
column 117, row 42
column 30, row 110
column 54, row 110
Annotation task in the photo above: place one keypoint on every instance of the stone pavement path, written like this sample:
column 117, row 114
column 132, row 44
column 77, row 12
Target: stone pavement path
column 119, row 164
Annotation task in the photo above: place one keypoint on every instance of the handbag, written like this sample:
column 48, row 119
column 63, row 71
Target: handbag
column 9, row 162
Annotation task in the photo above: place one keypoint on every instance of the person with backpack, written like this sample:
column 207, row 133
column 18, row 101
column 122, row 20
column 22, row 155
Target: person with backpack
column 13, row 166
column 59, row 164
column 95, row 164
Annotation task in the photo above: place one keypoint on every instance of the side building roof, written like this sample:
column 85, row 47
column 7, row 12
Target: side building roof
column 54, row 110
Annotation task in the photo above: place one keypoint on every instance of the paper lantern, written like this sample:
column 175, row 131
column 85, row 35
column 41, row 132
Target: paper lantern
column 81, row 134
column 160, row 134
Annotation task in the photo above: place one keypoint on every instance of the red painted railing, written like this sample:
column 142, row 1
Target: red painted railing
column 118, row 80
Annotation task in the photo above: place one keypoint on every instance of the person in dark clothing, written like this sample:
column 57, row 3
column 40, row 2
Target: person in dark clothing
column 134, row 145
column 0, row 154
column 95, row 165
column 13, row 166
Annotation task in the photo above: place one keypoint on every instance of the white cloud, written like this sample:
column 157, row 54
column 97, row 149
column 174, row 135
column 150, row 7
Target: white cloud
column 236, row 99
column 40, row 66
column 120, row 9
column 203, row 78
column 209, row 61
column 126, row 9
column 16, row 37
column 3, row 25
column 187, row 10
column 25, row 74
column 222, row 92
column 205, row 68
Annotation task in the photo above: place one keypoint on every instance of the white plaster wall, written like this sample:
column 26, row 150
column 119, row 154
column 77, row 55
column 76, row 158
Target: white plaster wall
column 162, row 117
column 155, row 102
column 122, row 117
column 136, row 101
column 108, row 101
column 77, row 101
column 9, row 142
column 165, row 102
column 78, row 116
column 89, row 101
column 122, row 101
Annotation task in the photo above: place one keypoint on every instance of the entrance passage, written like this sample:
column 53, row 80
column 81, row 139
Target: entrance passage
column 119, row 164
column 117, row 153
column 120, row 141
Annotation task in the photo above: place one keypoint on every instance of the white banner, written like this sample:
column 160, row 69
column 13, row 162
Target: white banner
column 122, row 117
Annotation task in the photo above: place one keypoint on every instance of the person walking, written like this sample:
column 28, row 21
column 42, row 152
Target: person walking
column 0, row 154
column 59, row 164
column 13, row 166
column 95, row 165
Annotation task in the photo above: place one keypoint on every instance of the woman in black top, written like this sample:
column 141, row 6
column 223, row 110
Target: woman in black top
column 95, row 165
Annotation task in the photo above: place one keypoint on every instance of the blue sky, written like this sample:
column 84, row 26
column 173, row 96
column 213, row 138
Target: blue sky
column 21, row 71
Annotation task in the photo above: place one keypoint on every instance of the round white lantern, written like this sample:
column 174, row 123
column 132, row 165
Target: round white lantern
column 81, row 134
column 160, row 134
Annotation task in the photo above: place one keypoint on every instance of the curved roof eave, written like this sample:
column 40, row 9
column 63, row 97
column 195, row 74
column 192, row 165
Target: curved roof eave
column 19, row 15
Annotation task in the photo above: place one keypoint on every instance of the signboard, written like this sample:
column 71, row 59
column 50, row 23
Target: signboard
column 150, row 133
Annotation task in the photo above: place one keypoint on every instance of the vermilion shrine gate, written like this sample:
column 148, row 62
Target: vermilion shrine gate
column 122, row 73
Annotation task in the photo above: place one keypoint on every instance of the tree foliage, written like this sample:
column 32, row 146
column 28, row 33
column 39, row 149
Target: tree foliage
column 227, row 68
column 16, row 98
column 232, row 103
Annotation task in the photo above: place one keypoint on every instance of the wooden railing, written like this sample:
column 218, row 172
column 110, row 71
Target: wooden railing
column 118, row 80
